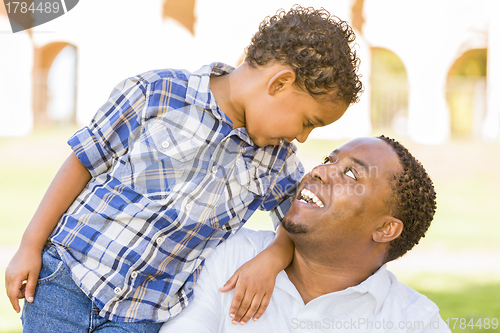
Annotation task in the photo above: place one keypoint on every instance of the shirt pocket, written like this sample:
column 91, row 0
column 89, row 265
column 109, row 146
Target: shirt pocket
column 159, row 160
column 172, row 144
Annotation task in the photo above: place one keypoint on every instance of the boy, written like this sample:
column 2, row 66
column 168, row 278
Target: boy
column 172, row 165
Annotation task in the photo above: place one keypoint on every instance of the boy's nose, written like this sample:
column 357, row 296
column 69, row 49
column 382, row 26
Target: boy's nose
column 302, row 137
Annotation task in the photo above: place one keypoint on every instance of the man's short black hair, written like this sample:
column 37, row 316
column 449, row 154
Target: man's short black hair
column 413, row 201
column 316, row 46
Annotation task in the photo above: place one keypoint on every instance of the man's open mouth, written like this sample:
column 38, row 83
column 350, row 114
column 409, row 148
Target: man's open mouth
column 309, row 197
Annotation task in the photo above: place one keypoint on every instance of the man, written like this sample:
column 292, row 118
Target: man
column 369, row 203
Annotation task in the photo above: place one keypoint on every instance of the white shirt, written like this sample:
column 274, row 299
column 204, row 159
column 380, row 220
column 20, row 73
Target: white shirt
column 379, row 304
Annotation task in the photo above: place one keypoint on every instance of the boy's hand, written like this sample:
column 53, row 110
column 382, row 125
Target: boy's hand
column 254, row 282
column 21, row 276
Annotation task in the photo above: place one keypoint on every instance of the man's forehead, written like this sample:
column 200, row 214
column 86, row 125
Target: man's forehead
column 368, row 152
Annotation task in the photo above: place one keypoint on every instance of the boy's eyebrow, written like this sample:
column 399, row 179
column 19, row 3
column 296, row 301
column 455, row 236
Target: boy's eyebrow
column 319, row 121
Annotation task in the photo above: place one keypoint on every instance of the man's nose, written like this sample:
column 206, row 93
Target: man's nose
column 320, row 172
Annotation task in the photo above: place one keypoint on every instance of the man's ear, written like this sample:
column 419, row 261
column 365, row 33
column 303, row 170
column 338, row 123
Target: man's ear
column 390, row 229
column 281, row 80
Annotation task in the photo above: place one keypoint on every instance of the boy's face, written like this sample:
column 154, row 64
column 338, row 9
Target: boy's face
column 289, row 115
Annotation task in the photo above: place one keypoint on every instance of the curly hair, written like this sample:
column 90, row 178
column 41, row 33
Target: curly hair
column 316, row 46
column 413, row 201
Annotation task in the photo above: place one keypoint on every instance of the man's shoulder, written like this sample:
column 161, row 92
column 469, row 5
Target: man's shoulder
column 248, row 241
column 242, row 246
column 235, row 251
column 411, row 301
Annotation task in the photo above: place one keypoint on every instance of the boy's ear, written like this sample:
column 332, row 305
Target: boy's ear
column 281, row 80
column 390, row 229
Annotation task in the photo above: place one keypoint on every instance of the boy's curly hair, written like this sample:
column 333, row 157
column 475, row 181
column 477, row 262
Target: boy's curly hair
column 413, row 201
column 316, row 45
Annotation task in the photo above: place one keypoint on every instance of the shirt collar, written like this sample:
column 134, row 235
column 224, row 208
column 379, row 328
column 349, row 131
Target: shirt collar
column 377, row 285
column 199, row 92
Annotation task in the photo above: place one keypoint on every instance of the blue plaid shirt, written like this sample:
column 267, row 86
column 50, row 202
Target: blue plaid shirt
column 171, row 180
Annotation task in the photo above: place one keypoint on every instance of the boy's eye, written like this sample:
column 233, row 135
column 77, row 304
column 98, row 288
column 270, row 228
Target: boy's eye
column 348, row 172
column 326, row 159
column 310, row 124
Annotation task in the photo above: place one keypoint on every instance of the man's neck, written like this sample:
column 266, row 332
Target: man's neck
column 313, row 279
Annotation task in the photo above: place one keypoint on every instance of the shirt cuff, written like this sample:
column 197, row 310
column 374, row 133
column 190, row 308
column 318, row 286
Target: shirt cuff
column 89, row 151
column 280, row 211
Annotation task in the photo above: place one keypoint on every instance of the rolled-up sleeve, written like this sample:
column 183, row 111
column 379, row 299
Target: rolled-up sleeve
column 113, row 128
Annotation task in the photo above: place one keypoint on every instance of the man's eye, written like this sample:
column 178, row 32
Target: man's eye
column 310, row 124
column 348, row 172
column 326, row 159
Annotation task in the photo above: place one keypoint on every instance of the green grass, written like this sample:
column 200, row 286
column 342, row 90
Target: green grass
column 461, row 298
column 464, row 173
column 27, row 167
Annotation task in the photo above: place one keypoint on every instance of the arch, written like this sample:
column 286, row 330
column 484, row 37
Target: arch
column 389, row 92
column 54, row 84
column 466, row 93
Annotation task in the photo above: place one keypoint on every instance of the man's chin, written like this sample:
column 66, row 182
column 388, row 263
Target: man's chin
column 292, row 227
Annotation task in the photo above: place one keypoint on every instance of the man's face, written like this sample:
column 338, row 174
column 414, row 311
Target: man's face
column 343, row 199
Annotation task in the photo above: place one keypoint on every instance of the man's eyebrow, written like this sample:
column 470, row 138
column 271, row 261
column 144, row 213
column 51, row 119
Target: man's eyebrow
column 360, row 163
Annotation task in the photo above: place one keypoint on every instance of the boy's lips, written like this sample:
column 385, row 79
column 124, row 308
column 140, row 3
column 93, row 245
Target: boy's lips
column 309, row 197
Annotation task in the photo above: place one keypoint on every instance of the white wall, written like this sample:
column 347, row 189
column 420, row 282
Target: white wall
column 120, row 38
column 16, row 59
column 428, row 36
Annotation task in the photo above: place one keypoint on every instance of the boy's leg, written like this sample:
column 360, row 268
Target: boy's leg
column 59, row 305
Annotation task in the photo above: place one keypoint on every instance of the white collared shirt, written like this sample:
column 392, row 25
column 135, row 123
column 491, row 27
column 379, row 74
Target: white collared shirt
column 379, row 304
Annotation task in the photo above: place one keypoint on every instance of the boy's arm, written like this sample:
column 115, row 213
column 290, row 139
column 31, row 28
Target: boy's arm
column 252, row 295
column 116, row 124
column 22, row 273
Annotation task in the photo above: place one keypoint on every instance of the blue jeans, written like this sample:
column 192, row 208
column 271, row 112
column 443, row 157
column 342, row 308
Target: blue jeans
column 60, row 305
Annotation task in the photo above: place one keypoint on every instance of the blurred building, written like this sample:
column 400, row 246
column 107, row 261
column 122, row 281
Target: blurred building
column 431, row 68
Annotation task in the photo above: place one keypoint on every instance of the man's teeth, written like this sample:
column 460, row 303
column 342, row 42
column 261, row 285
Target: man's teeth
column 309, row 197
